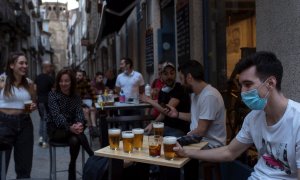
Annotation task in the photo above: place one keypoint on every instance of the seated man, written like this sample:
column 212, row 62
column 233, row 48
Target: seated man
column 174, row 95
column 272, row 125
column 86, row 94
column 207, row 116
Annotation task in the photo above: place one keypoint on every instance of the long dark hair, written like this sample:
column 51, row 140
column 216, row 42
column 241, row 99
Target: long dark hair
column 72, row 76
column 10, row 78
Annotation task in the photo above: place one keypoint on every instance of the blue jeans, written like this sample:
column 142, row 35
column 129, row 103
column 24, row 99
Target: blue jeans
column 43, row 108
column 22, row 144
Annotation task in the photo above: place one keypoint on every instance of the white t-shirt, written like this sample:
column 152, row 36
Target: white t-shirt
column 209, row 105
column 130, row 83
column 278, row 145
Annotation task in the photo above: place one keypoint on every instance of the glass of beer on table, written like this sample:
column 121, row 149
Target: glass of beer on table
column 138, row 138
column 127, row 137
column 169, row 142
column 154, row 142
column 158, row 128
column 114, row 138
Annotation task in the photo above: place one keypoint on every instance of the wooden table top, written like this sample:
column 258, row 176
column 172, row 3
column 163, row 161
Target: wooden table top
column 143, row 155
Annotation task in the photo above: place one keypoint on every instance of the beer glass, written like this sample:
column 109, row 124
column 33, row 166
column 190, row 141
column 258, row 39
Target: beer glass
column 154, row 145
column 127, row 137
column 158, row 128
column 114, row 138
column 138, row 138
column 169, row 142
column 27, row 105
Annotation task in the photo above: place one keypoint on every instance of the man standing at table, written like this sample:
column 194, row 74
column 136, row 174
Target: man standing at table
column 130, row 82
column 273, row 125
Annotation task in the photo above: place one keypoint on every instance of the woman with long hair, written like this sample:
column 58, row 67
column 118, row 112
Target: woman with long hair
column 16, row 129
column 65, row 117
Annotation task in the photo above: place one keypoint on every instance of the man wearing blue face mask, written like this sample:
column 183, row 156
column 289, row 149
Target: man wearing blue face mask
column 273, row 125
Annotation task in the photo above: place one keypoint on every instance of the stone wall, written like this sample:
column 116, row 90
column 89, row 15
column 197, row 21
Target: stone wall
column 278, row 27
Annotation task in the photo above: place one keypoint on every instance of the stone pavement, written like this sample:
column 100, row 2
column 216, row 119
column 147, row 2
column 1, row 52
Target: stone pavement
column 41, row 163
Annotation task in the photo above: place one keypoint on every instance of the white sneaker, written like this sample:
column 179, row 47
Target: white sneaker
column 45, row 145
column 41, row 141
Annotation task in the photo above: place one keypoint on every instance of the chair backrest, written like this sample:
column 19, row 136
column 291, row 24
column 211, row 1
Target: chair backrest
column 128, row 119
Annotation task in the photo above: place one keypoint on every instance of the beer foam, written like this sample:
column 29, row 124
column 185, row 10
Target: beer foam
column 114, row 131
column 158, row 125
column 170, row 140
column 127, row 135
column 138, row 131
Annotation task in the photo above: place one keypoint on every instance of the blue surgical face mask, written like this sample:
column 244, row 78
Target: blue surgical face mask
column 253, row 101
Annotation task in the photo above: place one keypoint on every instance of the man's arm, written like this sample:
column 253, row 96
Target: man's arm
column 173, row 113
column 221, row 154
column 202, row 127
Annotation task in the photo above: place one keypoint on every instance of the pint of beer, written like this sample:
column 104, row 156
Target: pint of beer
column 114, row 138
column 127, row 137
column 158, row 128
column 154, row 145
column 138, row 138
column 27, row 105
column 169, row 143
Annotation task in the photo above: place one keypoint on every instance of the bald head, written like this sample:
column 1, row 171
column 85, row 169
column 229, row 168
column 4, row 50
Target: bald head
column 47, row 67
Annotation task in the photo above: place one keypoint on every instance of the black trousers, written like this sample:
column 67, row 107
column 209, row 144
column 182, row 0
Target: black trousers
column 22, row 143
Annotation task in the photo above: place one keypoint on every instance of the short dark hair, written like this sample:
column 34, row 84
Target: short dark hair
column 128, row 61
column 72, row 76
column 81, row 71
column 99, row 73
column 266, row 63
column 194, row 68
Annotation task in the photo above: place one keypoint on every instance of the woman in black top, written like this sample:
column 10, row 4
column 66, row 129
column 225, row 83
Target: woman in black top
column 65, row 118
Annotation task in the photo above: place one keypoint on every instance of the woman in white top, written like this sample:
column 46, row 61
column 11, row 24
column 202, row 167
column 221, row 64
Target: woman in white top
column 16, row 129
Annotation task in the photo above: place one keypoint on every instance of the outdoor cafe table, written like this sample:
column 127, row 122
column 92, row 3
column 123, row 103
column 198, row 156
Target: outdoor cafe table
column 117, row 106
column 143, row 157
column 120, row 106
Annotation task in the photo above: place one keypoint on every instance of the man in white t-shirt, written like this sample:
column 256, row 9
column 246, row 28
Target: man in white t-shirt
column 208, row 113
column 273, row 125
column 129, row 81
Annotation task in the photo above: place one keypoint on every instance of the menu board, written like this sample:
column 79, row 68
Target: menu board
column 149, row 51
column 183, row 31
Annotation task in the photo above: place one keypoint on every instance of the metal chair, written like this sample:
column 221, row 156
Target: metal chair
column 52, row 151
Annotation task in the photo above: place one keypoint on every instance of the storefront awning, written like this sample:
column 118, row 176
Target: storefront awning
column 114, row 15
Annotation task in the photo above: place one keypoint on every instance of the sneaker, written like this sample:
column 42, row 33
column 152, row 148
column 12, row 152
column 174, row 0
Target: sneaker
column 41, row 141
column 44, row 145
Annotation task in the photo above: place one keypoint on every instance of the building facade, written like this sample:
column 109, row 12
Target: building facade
column 19, row 31
column 55, row 21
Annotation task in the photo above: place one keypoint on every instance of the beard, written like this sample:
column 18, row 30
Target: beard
column 169, row 82
column 188, row 88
